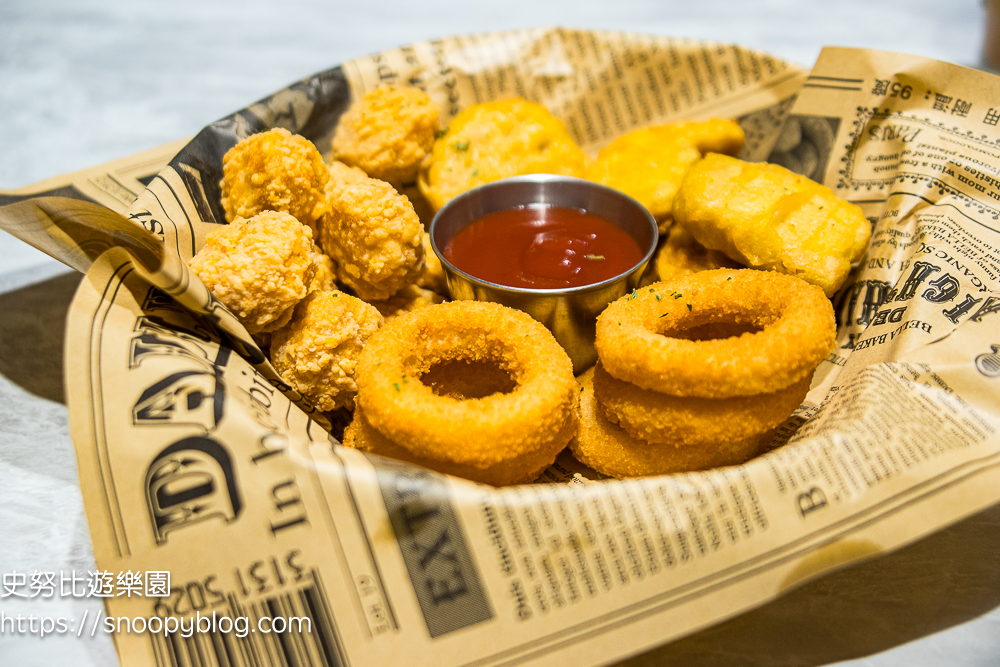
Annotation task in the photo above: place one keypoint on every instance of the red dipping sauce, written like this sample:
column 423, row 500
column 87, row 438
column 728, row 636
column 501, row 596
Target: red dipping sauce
column 543, row 247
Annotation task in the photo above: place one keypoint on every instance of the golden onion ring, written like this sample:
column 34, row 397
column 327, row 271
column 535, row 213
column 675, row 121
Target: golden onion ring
column 654, row 337
column 535, row 419
column 611, row 451
column 682, row 421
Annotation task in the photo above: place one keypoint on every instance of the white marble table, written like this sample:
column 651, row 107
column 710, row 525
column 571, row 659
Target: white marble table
column 85, row 82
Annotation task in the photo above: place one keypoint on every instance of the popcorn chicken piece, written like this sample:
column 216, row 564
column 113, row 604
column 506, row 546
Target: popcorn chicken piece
column 387, row 133
column 373, row 236
column 274, row 171
column 259, row 268
column 317, row 352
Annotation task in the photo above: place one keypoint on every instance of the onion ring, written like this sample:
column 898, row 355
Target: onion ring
column 691, row 421
column 362, row 436
column 785, row 328
column 611, row 451
column 536, row 418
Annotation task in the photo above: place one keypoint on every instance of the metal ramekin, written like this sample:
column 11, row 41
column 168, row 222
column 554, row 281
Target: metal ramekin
column 570, row 314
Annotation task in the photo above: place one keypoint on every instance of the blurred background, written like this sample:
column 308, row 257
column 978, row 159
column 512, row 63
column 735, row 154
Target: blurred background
column 86, row 81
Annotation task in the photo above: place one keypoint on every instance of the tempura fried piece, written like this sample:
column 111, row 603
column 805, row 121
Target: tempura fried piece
column 770, row 218
column 387, row 133
column 318, row 351
column 409, row 298
column 681, row 255
column 259, row 268
column 274, row 171
column 487, row 142
column 373, row 236
column 649, row 164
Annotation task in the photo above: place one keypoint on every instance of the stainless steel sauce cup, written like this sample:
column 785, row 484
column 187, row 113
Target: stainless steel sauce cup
column 570, row 313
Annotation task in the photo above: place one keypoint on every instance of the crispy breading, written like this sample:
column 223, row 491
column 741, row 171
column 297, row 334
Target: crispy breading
column 409, row 298
column 387, row 133
column 433, row 277
column 324, row 279
column 487, row 142
column 274, row 171
column 317, row 352
column 649, row 164
column 373, row 236
column 342, row 174
column 682, row 254
column 259, row 268
column 767, row 217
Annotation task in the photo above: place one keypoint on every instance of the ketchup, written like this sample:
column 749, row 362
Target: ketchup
column 543, row 247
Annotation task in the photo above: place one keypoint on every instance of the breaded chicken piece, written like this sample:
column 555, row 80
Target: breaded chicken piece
column 274, row 171
column 409, row 298
column 681, row 255
column 324, row 280
column 318, row 351
column 387, row 133
column 649, row 164
column 433, row 277
column 487, row 142
column 373, row 236
column 342, row 174
column 767, row 217
column 259, row 268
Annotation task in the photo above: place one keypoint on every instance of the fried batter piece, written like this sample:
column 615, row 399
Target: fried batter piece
column 649, row 164
column 372, row 234
column 409, row 298
column 274, row 171
column 387, row 133
column 682, row 255
column 259, row 268
column 317, row 352
column 487, row 142
column 343, row 174
column 324, row 279
column 433, row 277
column 770, row 218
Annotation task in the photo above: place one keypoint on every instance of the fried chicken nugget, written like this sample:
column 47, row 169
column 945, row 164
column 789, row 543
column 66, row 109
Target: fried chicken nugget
column 649, row 164
column 324, row 279
column 487, row 142
column 372, row 234
column 274, row 171
column 770, row 218
column 409, row 298
column 317, row 352
column 387, row 133
column 259, row 268
column 682, row 254
column 433, row 277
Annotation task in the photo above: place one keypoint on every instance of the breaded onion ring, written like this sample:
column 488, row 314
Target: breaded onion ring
column 658, row 337
column 534, row 421
column 609, row 450
column 684, row 421
column 361, row 435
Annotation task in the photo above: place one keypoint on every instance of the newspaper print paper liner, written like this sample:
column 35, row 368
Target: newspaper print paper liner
column 184, row 446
